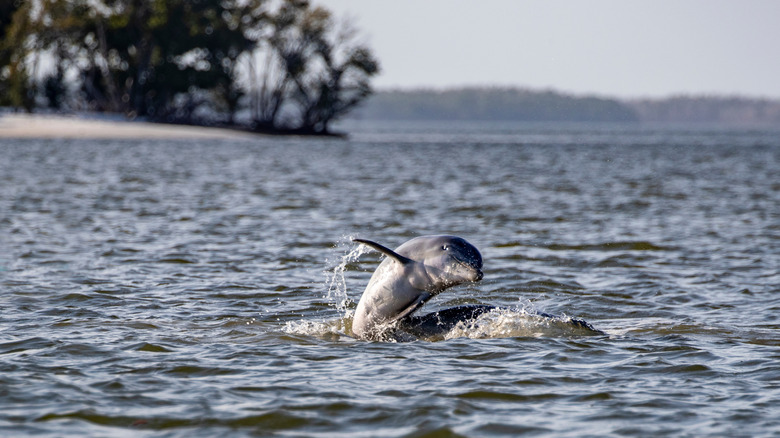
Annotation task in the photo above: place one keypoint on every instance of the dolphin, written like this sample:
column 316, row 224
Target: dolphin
column 414, row 273
column 409, row 276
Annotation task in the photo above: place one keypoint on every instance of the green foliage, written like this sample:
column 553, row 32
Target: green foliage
column 14, row 90
column 167, row 60
column 7, row 10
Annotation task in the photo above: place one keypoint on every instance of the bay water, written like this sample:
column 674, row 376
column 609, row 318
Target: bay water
column 205, row 287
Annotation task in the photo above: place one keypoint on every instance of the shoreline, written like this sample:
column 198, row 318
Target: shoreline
column 56, row 126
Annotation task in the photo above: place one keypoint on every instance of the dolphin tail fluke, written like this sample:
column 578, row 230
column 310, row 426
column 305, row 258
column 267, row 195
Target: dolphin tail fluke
column 384, row 250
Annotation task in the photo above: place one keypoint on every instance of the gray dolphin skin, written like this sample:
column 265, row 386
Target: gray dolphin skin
column 409, row 276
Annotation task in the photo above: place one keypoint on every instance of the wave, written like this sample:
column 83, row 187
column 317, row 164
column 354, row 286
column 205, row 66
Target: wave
column 495, row 323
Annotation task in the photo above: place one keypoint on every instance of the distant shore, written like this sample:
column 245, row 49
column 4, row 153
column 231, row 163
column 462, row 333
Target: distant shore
column 473, row 104
column 23, row 125
column 521, row 104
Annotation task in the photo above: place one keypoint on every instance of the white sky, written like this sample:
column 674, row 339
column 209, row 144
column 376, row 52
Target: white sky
column 621, row 48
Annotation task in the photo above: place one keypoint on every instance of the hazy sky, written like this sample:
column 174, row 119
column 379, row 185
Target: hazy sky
column 620, row 48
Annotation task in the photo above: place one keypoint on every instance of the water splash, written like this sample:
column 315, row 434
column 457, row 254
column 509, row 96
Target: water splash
column 335, row 279
column 347, row 253
column 519, row 322
column 329, row 330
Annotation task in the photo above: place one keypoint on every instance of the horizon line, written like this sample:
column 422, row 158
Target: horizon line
column 668, row 96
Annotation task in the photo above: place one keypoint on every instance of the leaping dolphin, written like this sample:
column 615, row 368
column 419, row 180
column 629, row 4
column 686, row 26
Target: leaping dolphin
column 411, row 275
column 415, row 272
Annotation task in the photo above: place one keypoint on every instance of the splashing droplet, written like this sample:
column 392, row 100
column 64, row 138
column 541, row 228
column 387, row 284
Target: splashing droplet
column 337, row 283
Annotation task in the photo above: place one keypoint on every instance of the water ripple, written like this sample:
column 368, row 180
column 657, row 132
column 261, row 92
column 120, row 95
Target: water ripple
column 168, row 288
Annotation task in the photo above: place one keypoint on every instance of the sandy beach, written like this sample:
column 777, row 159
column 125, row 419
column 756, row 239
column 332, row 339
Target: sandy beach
column 18, row 125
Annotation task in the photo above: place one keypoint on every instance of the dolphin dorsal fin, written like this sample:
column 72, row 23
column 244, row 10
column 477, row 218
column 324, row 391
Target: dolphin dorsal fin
column 385, row 250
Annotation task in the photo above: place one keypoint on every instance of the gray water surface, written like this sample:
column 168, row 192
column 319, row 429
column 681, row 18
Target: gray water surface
column 205, row 288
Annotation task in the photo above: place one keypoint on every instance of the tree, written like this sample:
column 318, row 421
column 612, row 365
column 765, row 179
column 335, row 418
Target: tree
column 184, row 60
column 314, row 63
column 338, row 80
column 15, row 87
column 8, row 9
column 136, row 57
column 158, row 58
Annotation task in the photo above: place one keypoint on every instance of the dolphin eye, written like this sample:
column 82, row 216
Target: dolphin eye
column 445, row 247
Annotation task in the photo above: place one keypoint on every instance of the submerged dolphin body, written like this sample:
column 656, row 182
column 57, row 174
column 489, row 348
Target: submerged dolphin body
column 412, row 274
column 438, row 324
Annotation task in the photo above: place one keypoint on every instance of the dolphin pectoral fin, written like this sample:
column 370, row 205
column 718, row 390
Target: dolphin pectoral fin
column 412, row 307
column 384, row 250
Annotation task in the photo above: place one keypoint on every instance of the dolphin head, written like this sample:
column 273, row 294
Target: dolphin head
column 447, row 260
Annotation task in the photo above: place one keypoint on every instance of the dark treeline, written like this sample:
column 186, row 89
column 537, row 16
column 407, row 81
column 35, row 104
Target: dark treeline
column 514, row 104
column 492, row 103
column 271, row 66
column 708, row 109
